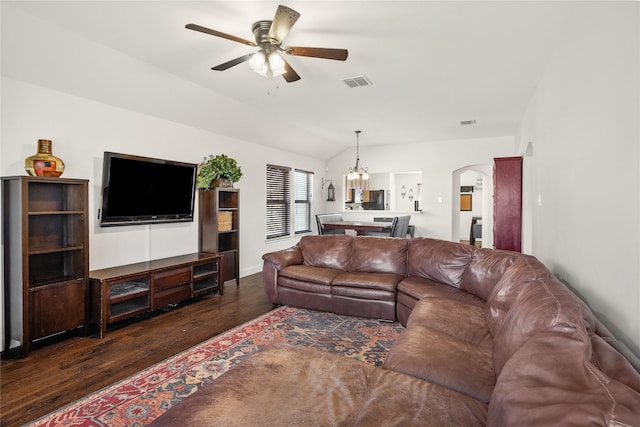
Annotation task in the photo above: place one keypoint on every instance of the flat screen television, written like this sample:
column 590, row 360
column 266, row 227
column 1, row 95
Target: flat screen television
column 144, row 190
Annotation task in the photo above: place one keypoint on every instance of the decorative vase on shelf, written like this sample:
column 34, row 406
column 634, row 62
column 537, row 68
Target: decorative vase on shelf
column 44, row 163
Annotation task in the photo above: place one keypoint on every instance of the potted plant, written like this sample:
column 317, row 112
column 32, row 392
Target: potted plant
column 218, row 171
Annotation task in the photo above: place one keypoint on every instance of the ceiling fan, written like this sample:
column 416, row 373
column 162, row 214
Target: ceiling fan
column 269, row 35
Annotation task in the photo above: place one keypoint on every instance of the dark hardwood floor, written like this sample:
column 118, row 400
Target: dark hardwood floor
column 68, row 370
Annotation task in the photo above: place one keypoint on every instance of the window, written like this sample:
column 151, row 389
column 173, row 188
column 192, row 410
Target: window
column 278, row 190
column 303, row 201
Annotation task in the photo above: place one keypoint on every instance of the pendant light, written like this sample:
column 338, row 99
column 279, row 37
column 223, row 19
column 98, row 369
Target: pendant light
column 357, row 171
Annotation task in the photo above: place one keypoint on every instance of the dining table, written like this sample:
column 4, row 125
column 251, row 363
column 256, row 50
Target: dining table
column 359, row 226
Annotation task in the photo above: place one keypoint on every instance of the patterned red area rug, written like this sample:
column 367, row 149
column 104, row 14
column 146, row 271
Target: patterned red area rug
column 141, row 398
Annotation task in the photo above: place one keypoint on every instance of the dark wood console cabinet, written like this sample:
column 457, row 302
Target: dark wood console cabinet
column 122, row 292
column 46, row 257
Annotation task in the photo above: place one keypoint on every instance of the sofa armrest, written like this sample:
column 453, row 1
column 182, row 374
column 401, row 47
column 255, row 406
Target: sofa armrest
column 273, row 263
column 284, row 258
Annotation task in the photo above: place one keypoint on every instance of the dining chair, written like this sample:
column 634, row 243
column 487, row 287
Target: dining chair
column 386, row 232
column 321, row 219
column 399, row 226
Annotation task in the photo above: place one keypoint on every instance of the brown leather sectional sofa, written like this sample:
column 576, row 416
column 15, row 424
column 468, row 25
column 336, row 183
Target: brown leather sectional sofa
column 495, row 326
column 491, row 338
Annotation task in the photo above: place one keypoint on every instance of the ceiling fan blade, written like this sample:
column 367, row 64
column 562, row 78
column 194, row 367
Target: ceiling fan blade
column 206, row 30
column 290, row 74
column 233, row 62
column 318, row 52
column 283, row 20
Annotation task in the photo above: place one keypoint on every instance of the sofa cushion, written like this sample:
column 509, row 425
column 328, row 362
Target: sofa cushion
column 306, row 298
column 412, row 289
column 332, row 251
column 550, row 381
column 309, row 274
column 419, row 288
column 610, row 361
column 485, row 270
column 520, row 274
column 392, row 401
column 304, row 285
column 379, row 255
column 374, row 305
column 366, row 286
column 445, row 360
column 459, row 319
column 383, row 281
column 438, row 260
column 284, row 385
column 545, row 303
column 363, row 293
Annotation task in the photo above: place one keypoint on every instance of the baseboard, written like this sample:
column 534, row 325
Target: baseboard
column 251, row 270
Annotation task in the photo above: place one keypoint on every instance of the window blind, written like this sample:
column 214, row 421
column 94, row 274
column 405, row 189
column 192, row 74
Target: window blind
column 278, row 204
column 303, row 197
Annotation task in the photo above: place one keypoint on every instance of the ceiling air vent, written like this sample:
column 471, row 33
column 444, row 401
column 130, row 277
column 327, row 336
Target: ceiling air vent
column 357, row 81
column 467, row 122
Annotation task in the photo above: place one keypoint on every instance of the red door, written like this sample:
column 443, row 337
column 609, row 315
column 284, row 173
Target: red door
column 507, row 203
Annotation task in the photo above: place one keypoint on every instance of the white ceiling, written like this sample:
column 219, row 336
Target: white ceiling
column 432, row 65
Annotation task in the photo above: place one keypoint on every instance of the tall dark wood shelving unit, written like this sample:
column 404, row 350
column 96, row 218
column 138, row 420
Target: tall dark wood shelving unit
column 219, row 228
column 507, row 203
column 46, row 257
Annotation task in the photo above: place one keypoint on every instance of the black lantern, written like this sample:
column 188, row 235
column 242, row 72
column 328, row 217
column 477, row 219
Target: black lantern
column 331, row 193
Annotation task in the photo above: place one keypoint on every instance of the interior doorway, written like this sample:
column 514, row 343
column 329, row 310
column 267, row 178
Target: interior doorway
column 472, row 208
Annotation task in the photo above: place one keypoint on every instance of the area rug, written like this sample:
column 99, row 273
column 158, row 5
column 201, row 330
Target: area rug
column 139, row 399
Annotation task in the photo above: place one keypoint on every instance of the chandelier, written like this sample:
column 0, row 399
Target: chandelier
column 357, row 171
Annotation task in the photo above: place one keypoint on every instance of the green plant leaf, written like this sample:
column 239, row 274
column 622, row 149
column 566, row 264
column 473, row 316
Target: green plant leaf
column 219, row 166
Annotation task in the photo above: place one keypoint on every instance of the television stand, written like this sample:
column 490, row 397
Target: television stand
column 122, row 292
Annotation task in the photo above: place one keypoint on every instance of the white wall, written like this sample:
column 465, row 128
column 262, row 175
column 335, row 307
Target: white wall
column 89, row 99
column 583, row 127
column 82, row 130
column 583, row 123
column 437, row 160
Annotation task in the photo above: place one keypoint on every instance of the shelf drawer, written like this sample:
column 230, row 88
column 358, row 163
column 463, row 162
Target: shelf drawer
column 130, row 289
column 57, row 308
column 205, row 269
column 228, row 266
column 206, row 284
column 169, row 296
column 171, row 278
column 124, row 309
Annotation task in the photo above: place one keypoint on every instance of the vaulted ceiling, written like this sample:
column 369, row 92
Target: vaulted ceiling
column 431, row 64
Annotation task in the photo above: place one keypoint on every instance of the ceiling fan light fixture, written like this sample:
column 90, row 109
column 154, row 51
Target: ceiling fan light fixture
column 258, row 63
column 270, row 65
column 276, row 64
column 269, row 36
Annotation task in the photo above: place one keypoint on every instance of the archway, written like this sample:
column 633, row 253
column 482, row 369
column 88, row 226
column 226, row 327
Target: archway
column 482, row 194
